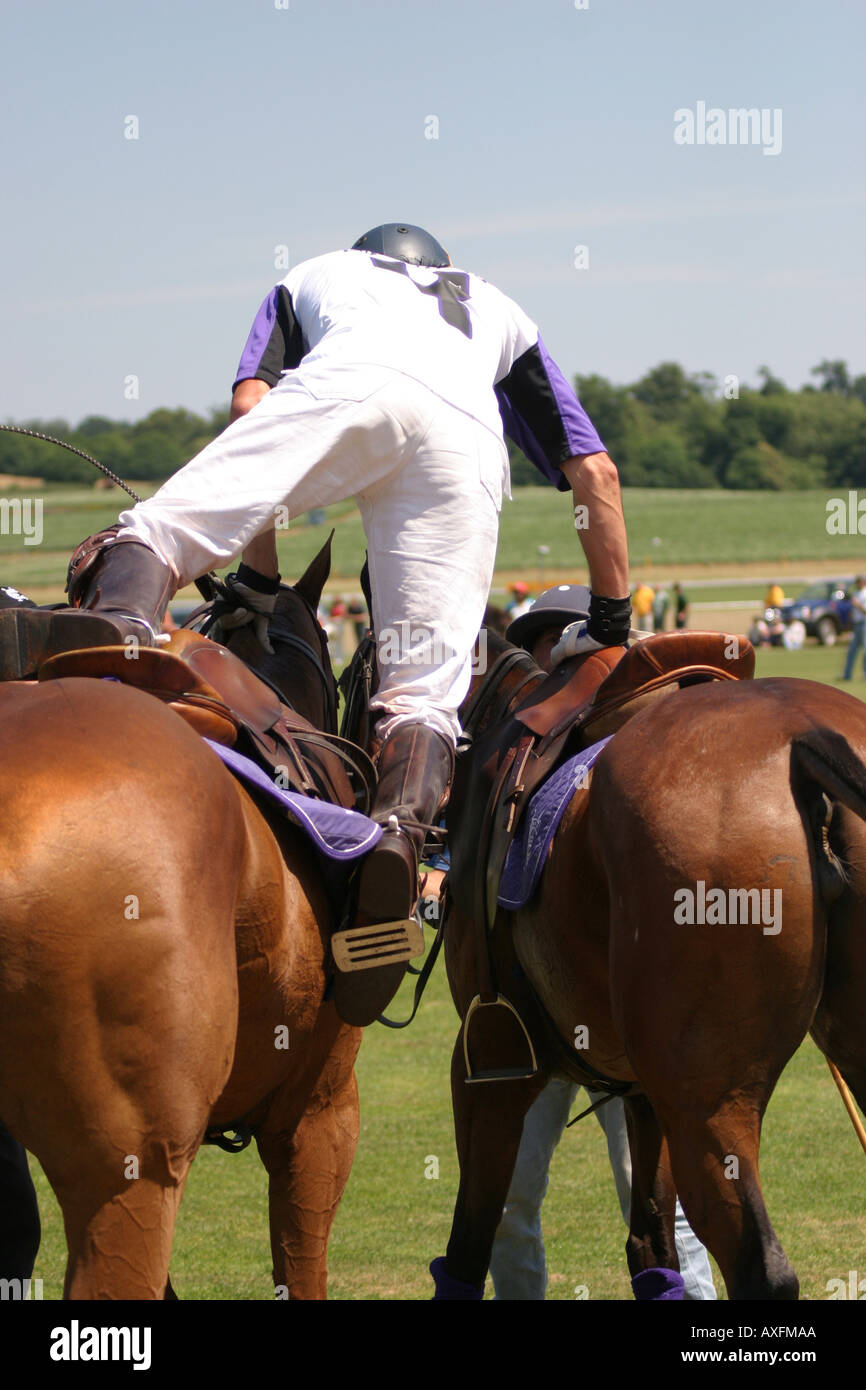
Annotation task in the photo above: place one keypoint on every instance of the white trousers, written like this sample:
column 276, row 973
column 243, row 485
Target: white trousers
column 428, row 481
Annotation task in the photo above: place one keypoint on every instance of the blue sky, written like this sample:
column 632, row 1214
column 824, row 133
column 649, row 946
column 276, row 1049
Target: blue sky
column 261, row 127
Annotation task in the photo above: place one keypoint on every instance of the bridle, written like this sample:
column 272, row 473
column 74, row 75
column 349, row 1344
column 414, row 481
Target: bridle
column 204, row 620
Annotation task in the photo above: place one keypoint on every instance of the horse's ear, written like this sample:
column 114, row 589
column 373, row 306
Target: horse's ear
column 312, row 581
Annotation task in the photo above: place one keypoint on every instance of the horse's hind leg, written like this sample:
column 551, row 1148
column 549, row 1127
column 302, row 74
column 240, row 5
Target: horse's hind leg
column 20, row 1229
column 715, row 1163
column 710, row 1102
column 651, row 1245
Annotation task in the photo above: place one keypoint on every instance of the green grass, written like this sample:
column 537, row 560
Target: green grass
column 813, row 663
column 70, row 515
column 675, row 527
column 665, row 527
column 716, row 527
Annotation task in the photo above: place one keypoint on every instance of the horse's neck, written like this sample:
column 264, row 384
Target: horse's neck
column 298, row 669
column 305, row 682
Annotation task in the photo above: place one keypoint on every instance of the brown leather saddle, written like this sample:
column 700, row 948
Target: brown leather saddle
column 582, row 701
column 222, row 699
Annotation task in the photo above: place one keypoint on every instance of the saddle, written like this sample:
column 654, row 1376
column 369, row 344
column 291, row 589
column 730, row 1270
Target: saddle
column 223, row 700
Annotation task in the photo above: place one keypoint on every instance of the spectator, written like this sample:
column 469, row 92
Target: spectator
column 661, row 604
column 858, row 627
column 681, row 608
column 642, row 605
column 519, row 601
column 356, row 612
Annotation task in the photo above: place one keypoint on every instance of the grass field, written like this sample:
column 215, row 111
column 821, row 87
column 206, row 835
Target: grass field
column 696, row 533
column 394, row 1219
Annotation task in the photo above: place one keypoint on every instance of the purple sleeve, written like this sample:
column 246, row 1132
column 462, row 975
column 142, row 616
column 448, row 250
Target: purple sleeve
column 542, row 415
column 275, row 341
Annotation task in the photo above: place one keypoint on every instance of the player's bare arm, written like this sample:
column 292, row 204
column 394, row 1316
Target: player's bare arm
column 245, row 395
column 595, row 486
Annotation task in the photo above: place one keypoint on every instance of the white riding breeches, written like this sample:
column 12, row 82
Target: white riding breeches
column 428, row 480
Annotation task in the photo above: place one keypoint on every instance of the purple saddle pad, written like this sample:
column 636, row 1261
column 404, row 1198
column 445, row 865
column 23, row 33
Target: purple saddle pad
column 528, row 851
column 338, row 833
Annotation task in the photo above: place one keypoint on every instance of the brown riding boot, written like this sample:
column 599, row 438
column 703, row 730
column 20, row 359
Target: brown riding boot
column 124, row 592
column 415, row 767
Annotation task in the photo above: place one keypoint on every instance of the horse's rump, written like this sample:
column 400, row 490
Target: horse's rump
column 116, row 917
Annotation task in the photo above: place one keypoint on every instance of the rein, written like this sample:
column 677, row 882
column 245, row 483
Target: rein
column 290, row 639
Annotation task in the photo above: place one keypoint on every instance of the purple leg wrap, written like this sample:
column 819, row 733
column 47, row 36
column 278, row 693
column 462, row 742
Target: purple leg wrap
column 658, row 1284
column 451, row 1288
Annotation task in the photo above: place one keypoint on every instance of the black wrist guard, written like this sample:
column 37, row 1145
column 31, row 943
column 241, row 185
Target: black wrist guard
column 609, row 620
column 254, row 580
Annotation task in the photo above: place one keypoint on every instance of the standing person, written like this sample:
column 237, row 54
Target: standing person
column 858, row 628
column 681, row 608
column 661, row 604
column 385, row 374
column 519, row 602
column 356, row 612
column 642, row 602
column 517, row 1264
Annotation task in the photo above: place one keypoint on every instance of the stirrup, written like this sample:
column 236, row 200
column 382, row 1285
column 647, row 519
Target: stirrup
column 500, row 1073
column 381, row 943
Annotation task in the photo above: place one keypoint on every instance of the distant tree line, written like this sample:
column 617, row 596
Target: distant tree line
column 149, row 450
column 670, row 429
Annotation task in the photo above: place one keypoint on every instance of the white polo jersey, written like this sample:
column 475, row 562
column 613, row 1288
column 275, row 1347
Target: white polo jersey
column 448, row 329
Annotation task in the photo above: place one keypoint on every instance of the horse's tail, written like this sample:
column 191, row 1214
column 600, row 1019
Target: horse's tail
column 825, row 765
column 829, row 760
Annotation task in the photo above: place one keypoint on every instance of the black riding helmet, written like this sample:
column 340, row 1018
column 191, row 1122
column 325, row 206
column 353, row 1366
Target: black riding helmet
column 404, row 243
column 566, row 603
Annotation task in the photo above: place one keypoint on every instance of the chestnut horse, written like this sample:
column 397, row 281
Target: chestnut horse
column 163, row 941
column 726, row 786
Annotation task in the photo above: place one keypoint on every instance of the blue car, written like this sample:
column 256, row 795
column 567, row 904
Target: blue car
column 824, row 609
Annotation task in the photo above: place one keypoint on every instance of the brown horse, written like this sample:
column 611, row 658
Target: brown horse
column 732, row 786
column 163, row 941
